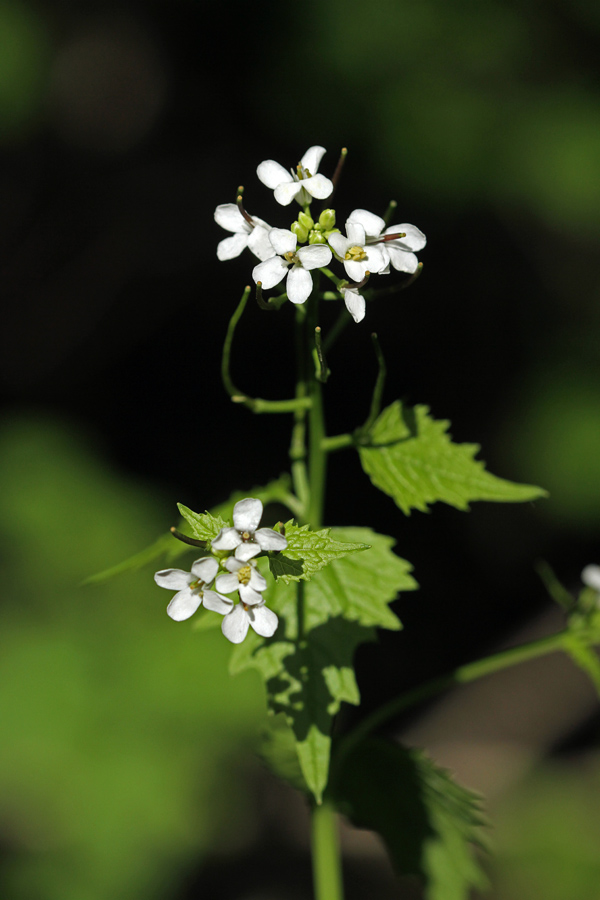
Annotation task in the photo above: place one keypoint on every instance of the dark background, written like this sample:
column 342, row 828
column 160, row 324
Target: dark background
column 123, row 125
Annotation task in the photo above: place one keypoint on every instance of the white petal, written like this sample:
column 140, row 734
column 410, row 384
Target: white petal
column 355, row 304
column 339, row 243
column 356, row 234
column 205, row 569
column 376, row 260
column 248, row 513
column 174, row 579
column 227, row 583
column 235, row 625
column 184, row 604
column 233, row 565
column 270, row 272
column 270, row 539
column 314, row 256
column 356, row 270
column 263, row 621
column 249, row 596
column 402, row 260
column 372, row 224
column 228, row 216
column 272, row 173
column 414, row 240
column 232, row 246
column 318, row 186
column 227, row 539
column 285, row 193
column 591, row 577
column 247, row 550
column 298, row 285
column 259, row 243
column 282, row 240
column 257, row 581
column 312, row 158
column 216, row 603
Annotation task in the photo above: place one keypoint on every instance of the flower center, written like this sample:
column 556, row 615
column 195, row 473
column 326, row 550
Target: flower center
column 244, row 574
column 245, row 535
column 356, row 254
column 302, row 172
column 197, row 585
column 291, row 258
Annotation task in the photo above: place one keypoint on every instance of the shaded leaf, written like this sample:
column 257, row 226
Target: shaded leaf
column 427, row 821
column 309, row 671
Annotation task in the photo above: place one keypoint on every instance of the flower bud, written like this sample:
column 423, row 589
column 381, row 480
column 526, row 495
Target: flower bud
column 327, row 219
column 300, row 232
column 316, row 237
column 305, row 221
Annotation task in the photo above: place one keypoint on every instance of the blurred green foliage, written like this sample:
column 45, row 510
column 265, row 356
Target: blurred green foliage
column 121, row 729
column 24, row 58
column 547, row 835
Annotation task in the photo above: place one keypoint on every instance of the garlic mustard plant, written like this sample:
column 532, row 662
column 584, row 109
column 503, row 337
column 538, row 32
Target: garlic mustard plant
column 298, row 597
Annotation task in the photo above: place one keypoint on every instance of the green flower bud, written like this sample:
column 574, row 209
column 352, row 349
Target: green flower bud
column 300, row 231
column 327, row 219
column 305, row 220
column 316, row 237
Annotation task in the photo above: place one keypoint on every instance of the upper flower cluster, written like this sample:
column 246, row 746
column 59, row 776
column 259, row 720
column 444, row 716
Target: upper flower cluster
column 369, row 247
column 234, row 549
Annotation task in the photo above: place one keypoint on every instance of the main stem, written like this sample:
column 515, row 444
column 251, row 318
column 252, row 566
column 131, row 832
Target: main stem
column 327, row 867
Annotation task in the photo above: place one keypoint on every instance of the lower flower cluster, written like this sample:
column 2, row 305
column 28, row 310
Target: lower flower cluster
column 234, row 549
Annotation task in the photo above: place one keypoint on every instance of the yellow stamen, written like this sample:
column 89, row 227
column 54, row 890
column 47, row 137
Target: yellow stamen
column 244, row 574
column 356, row 254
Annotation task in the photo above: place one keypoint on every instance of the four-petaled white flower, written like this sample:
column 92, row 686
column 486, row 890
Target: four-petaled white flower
column 255, row 237
column 591, row 577
column 246, row 538
column 190, row 587
column 244, row 577
column 357, row 255
column 304, row 184
column 400, row 252
column 299, row 280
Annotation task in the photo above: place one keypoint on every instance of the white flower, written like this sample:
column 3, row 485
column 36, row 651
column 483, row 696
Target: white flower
column 304, row 184
column 299, row 280
column 244, row 536
column 358, row 256
column 240, row 617
column 400, row 252
column 243, row 576
column 591, row 577
column 255, row 237
column 190, row 587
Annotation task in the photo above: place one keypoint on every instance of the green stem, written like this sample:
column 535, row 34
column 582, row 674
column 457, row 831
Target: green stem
column 317, row 458
column 463, row 675
column 337, row 442
column 327, row 869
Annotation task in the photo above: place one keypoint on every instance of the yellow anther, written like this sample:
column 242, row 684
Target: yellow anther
column 356, row 254
column 290, row 256
column 244, row 574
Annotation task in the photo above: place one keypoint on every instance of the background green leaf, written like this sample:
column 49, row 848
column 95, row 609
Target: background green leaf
column 413, row 459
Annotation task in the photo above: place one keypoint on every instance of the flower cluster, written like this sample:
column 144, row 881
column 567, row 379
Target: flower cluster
column 234, row 549
column 368, row 247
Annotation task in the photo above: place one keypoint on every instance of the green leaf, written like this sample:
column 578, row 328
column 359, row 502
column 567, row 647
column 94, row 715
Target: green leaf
column 204, row 526
column 137, row 561
column 427, row 821
column 584, row 656
column 308, row 671
column 307, row 552
column 413, row 460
